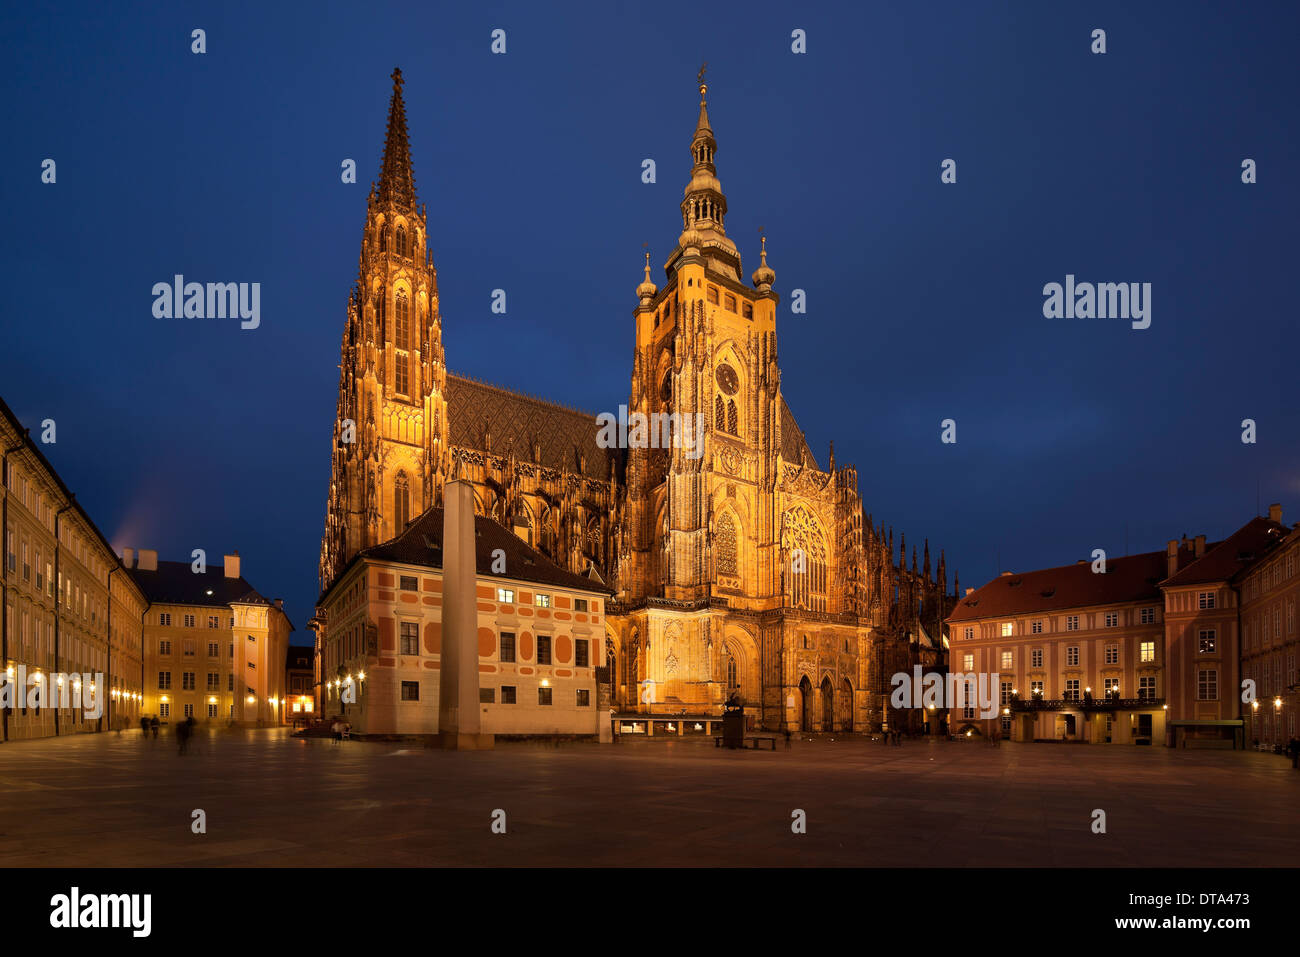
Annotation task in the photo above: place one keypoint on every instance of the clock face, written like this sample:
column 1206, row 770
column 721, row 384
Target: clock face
column 727, row 380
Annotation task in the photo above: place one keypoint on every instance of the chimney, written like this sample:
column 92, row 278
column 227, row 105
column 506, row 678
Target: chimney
column 1200, row 545
column 232, row 565
column 148, row 560
column 1171, row 558
column 1004, row 574
column 279, row 603
column 969, row 590
column 128, row 557
column 1275, row 513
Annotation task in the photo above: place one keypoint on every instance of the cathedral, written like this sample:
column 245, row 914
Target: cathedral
column 742, row 569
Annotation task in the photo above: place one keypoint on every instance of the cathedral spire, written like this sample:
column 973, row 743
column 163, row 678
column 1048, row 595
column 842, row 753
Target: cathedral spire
column 704, row 206
column 396, row 181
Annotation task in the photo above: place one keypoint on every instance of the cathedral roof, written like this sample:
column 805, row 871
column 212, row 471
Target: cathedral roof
column 514, row 421
column 421, row 544
column 396, row 179
column 792, row 439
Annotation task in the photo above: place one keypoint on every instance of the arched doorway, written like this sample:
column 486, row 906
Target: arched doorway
column 805, row 704
column 846, row 706
column 828, row 705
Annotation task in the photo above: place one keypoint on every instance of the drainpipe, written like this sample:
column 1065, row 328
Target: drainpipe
column 4, row 574
column 58, row 597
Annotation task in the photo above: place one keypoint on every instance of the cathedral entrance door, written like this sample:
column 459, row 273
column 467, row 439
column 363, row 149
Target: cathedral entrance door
column 828, row 705
column 846, row 706
column 805, row 704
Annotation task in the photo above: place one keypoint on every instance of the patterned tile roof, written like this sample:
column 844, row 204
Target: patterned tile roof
column 515, row 421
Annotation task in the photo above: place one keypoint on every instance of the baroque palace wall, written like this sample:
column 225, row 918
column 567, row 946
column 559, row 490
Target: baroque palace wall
column 737, row 565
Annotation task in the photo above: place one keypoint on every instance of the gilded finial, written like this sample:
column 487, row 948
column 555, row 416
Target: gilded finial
column 699, row 77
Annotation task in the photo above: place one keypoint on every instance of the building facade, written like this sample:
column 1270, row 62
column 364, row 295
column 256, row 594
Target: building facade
column 737, row 562
column 1078, row 655
column 215, row 649
column 1152, row 649
column 541, row 638
column 1268, row 591
column 69, row 611
column 300, row 684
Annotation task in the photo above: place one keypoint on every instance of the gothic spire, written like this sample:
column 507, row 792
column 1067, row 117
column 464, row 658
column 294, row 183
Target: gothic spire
column 704, row 207
column 396, row 181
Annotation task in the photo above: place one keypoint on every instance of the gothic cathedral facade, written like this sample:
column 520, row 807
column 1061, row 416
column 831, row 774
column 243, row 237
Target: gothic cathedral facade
column 739, row 566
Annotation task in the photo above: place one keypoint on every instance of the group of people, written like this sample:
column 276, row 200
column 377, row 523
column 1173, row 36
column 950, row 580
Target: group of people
column 894, row 738
column 184, row 731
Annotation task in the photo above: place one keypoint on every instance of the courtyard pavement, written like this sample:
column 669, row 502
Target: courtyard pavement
column 272, row 800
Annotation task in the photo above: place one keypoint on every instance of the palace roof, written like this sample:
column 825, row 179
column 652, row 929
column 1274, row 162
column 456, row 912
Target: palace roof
column 421, row 544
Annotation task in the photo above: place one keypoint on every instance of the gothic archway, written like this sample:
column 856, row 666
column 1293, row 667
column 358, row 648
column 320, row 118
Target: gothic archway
column 805, row 704
column 846, row 706
column 828, row 705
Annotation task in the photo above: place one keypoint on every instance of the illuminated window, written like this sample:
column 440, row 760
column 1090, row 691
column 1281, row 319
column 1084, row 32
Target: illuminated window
column 1206, row 642
column 543, row 601
column 402, row 344
column 1007, row 629
column 1147, row 651
column 506, row 595
column 1007, row 658
column 968, row 662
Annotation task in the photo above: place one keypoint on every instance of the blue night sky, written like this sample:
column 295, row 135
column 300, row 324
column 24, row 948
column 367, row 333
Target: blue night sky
column 924, row 299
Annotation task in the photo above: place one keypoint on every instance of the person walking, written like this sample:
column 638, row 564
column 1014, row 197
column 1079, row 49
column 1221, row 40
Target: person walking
column 337, row 729
column 1293, row 749
column 153, row 726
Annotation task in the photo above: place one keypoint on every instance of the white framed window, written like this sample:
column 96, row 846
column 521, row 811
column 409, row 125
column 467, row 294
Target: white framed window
column 1147, row 616
column 164, row 709
column 1036, row 627
column 969, row 633
column 1036, row 657
column 1207, row 684
column 506, row 596
column 165, row 618
column 1206, row 641
column 542, row 601
column 1007, row 660
column 1112, row 619
column 1007, row 629
column 1112, row 653
column 1072, row 689
column 1071, row 622
column 1035, row 688
column 1147, row 651
column 1072, row 655
column 1205, row 599
column 968, row 662
column 1147, row 687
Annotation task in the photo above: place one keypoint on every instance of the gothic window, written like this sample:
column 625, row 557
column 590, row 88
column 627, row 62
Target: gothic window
column 593, row 541
column 379, row 315
column 630, row 660
column 401, row 502
column 719, row 415
column 806, row 571
column 400, row 243
column 733, row 677
column 523, row 523
column 383, row 239
column 732, row 425
column 713, row 295
column 725, row 547
column 402, row 342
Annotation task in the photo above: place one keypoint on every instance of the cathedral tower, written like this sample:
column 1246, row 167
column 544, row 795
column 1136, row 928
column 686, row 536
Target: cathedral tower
column 391, row 442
